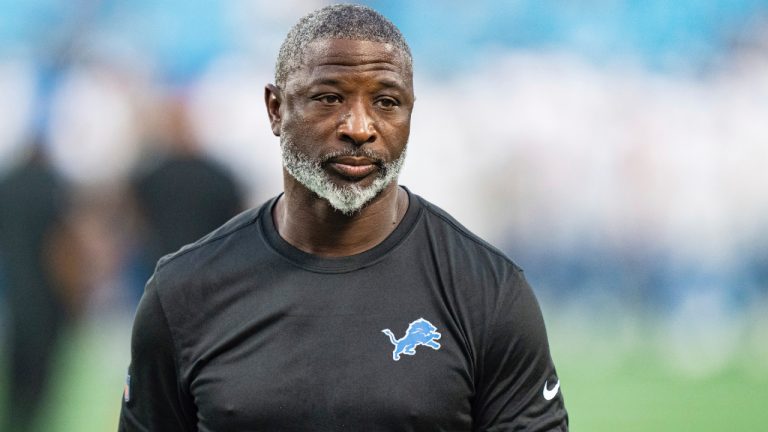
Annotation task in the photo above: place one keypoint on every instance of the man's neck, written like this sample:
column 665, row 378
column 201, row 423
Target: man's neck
column 310, row 224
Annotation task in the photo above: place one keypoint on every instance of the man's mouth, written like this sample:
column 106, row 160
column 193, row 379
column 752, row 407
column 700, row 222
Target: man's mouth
column 353, row 167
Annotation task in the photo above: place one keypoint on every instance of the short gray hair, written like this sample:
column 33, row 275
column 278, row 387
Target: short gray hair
column 341, row 21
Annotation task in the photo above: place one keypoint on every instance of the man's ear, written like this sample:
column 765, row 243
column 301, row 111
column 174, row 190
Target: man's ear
column 273, row 100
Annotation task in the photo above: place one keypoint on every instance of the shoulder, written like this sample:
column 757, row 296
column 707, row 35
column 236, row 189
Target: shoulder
column 479, row 273
column 211, row 241
column 456, row 238
column 189, row 282
column 207, row 261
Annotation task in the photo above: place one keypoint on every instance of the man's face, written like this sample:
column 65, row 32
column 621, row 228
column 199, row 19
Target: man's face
column 344, row 120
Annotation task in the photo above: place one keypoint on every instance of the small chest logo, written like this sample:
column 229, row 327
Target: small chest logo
column 127, row 388
column 420, row 332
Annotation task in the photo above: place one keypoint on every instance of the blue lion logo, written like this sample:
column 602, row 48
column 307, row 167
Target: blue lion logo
column 420, row 332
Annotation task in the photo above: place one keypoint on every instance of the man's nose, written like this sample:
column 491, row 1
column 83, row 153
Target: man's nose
column 357, row 127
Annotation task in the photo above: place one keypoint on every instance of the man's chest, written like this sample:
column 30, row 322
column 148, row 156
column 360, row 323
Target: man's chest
column 342, row 359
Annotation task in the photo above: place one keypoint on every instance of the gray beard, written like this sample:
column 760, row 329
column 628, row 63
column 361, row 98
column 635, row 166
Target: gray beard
column 348, row 199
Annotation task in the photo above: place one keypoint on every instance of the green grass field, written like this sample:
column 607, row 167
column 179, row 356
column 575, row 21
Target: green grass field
column 638, row 392
column 642, row 395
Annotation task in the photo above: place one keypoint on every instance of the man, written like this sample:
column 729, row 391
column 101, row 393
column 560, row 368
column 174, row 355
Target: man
column 347, row 302
column 33, row 203
column 177, row 180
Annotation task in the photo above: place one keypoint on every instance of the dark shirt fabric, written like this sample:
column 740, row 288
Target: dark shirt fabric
column 243, row 332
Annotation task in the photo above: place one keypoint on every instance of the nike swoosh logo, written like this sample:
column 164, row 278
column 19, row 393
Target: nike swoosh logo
column 550, row 394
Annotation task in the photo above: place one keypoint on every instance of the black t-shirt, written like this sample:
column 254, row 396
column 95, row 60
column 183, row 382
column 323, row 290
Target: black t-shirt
column 432, row 329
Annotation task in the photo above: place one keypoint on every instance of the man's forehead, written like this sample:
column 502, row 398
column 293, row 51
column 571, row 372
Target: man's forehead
column 350, row 52
column 345, row 59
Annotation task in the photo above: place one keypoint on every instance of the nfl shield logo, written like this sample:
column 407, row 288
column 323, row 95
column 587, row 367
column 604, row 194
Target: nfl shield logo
column 127, row 388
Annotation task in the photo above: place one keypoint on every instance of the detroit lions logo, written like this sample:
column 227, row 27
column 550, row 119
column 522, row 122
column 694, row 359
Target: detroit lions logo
column 420, row 332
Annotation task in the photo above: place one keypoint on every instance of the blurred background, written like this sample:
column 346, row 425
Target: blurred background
column 615, row 149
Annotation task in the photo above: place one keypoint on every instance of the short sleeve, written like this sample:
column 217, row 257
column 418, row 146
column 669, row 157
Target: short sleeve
column 517, row 385
column 153, row 400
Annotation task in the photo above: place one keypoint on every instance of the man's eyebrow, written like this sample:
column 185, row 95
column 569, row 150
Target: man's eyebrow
column 388, row 83
column 326, row 81
column 385, row 83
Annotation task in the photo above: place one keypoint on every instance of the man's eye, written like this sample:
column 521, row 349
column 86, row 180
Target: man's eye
column 387, row 103
column 328, row 99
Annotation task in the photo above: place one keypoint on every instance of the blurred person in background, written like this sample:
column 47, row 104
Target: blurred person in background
column 180, row 194
column 280, row 319
column 33, row 202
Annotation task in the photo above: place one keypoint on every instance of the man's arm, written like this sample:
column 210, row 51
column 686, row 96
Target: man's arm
column 518, row 388
column 153, row 399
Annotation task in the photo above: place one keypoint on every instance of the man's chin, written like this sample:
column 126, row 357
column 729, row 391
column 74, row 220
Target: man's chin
column 350, row 199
